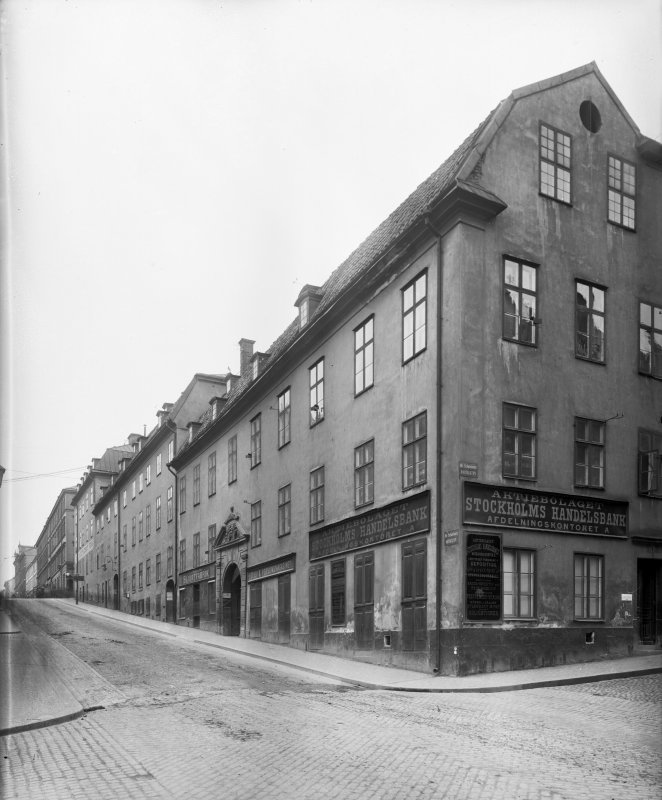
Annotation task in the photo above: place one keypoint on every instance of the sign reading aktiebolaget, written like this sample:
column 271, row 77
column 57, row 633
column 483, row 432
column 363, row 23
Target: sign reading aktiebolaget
column 543, row 511
column 197, row 575
column 404, row 518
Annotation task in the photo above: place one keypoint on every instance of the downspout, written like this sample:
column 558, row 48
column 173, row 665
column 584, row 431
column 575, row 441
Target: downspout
column 120, row 591
column 440, row 297
column 176, row 510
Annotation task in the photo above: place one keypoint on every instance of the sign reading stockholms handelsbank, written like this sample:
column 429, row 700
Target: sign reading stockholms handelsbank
column 527, row 509
column 402, row 518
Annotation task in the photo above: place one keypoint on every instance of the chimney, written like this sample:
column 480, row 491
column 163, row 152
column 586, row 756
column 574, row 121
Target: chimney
column 245, row 355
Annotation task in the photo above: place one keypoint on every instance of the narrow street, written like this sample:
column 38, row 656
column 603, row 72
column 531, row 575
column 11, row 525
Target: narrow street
column 192, row 721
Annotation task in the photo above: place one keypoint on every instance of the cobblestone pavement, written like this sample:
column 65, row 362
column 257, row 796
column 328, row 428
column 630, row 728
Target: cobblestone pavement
column 204, row 724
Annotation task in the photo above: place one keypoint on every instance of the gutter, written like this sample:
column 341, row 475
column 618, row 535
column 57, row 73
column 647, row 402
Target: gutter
column 439, row 460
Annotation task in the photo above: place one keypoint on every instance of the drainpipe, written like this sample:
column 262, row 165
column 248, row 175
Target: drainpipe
column 440, row 297
column 120, row 591
column 170, row 425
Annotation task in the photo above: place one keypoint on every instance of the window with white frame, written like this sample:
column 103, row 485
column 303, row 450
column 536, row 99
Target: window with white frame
column 364, row 473
column 650, row 463
column 232, row 459
column 196, row 485
column 555, row 163
column 169, row 504
column 621, row 192
column 284, row 510
column 157, row 568
column 182, row 494
column 148, row 520
column 284, row 417
column 256, row 440
column 316, row 380
column 364, row 352
column 141, row 482
column 256, row 524
column 518, row 583
column 650, row 339
column 519, row 301
column 589, row 572
column 140, row 526
column 148, row 474
column 589, row 453
column 590, row 322
column 414, row 317
column 211, row 474
column 414, row 451
column 171, row 449
column 317, row 495
column 519, row 441
column 196, row 550
column 182, row 555
column 157, row 513
column 159, row 460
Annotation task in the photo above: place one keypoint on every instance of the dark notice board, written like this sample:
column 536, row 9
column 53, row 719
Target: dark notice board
column 483, row 577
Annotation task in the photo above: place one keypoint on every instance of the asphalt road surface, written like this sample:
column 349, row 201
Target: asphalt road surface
column 191, row 721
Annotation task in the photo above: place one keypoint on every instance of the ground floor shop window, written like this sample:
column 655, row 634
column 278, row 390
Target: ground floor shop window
column 256, row 609
column 518, row 583
column 182, row 603
column 589, row 576
column 364, row 604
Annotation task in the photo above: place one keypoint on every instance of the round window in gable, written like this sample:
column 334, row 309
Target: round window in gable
column 590, row 116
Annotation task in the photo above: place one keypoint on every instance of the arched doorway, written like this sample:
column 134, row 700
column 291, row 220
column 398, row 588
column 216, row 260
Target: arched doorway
column 116, row 592
column 170, row 601
column 232, row 601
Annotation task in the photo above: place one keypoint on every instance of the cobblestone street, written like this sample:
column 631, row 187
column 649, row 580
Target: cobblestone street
column 198, row 723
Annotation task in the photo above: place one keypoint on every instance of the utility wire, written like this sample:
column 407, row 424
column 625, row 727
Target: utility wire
column 42, row 475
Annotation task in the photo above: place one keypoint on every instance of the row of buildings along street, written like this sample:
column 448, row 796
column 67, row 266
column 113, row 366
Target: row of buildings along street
column 451, row 458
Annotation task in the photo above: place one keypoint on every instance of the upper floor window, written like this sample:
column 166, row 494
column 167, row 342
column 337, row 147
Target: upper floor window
column 589, row 453
column 140, row 526
column 621, row 192
column 169, row 504
column 171, row 449
column 182, row 494
column 148, row 474
column 157, row 513
column 590, row 322
column 519, row 441
column 650, row 463
column 159, row 460
column 555, row 155
column 414, row 451
column 115, row 507
column 364, row 355
column 317, row 495
column 211, row 541
column 256, row 523
column 589, row 571
column 256, row 440
column 182, row 555
column 284, row 417
column 284, row 510
column 519, row 301
column 141, row 482
column 157, row 567
column 124, row 499
column 364, row 473
column 414, row 317
column 148, row 520
column 518, row 583
column 316, row 376
column 211, row 474
column 196, row 484
column 133, row 490
column 650, row 339
column 196, row 549
column 232, row 459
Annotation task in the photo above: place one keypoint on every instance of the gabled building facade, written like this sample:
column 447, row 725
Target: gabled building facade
column 136, row 516
column 94, row 561
column 450, row 459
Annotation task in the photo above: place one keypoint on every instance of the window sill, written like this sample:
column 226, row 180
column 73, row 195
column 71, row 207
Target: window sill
column 566, row 203
column 621, row 226
column 589, row 488
column 416, row 355
column 519, row 478
column 579, row 357
column 532, row 345
column 363, row 391
column 588, row 620
column 650, row 375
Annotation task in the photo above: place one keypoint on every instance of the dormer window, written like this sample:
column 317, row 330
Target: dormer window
column 307, row 301
column 303, row 314
column 256, row 368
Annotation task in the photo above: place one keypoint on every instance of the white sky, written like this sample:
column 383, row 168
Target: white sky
column 174, row 171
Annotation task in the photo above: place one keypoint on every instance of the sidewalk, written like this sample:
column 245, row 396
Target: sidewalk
column 373, row 676
column 49, row 685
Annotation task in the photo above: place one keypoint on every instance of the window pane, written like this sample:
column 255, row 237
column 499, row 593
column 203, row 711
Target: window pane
column 528, row 278
column 526, row 419
column 511, row 272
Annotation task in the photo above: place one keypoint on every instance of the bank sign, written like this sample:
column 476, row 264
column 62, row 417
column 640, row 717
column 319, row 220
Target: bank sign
column 404, row 518
column 523, row 509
